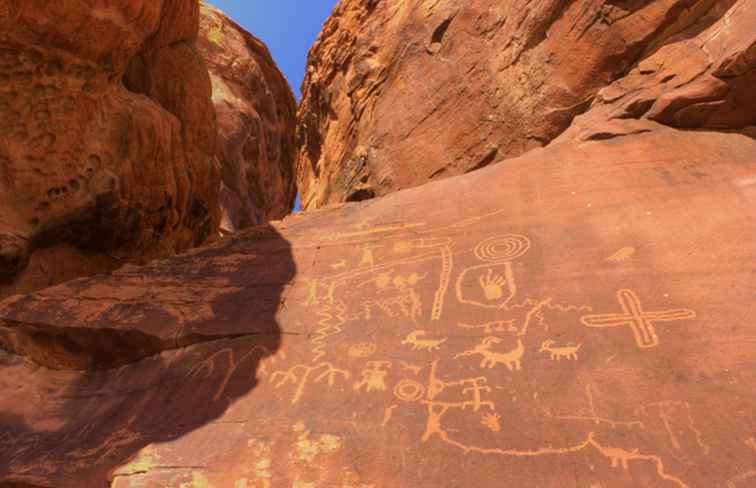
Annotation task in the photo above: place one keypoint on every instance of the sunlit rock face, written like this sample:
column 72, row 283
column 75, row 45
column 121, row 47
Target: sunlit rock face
column 256, row 113
column 399, row 93
column 107, row 137
column 583, row 313
column 579, row 316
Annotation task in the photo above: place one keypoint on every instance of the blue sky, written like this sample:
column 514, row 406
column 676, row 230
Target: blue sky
column 288, row 27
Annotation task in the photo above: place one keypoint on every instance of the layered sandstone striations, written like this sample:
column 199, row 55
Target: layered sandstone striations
column 400, row 93
column 107, row 137
column 256, row 113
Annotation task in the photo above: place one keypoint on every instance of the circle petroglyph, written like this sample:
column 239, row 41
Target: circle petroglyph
column 409, row 391
column 362, row 349
column 502, row 248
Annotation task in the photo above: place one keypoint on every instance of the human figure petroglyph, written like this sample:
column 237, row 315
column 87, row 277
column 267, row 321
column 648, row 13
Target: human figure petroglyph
column 512, row 359
column 374, row 376
column 418, row 344
column 640, row 321
column 570, row 351
column 368, row 256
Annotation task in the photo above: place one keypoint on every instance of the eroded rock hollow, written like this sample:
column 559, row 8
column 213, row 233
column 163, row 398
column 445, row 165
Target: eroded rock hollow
column 107, row 137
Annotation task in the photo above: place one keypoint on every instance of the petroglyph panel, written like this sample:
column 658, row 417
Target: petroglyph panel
column 445, row 354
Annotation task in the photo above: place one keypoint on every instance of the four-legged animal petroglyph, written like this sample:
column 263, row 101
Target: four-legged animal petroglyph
column 511, row 359
column 568, row 352
column 418, row 344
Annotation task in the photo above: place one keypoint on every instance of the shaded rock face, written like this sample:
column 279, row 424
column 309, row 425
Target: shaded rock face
column 256, row 113
column 107, row 136
column 581, row 329
column 400, row 93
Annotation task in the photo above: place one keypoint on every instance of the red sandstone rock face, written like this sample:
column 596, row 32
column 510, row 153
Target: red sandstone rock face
column 256, row 113
column 399, row 93
column 581, row 316
column 107, row 136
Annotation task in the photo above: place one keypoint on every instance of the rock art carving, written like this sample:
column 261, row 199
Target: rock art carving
column 416, row 341
column 641, row 322
column 512, row 359
column 568, row 352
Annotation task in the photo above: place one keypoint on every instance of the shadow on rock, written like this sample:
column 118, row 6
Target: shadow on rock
column 212, row 316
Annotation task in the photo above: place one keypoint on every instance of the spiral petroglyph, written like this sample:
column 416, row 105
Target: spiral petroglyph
column 502, row 248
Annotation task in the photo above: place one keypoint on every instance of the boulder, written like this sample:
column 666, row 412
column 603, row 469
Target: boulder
column 256, row 113
column 107, row 137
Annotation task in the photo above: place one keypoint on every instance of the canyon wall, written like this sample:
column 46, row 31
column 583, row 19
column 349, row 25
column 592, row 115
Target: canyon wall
column 401, row 93
column 107, row 137
column 256, row 113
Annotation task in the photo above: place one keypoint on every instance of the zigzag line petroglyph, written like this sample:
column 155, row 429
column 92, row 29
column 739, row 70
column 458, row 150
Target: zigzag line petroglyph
column 330, row 325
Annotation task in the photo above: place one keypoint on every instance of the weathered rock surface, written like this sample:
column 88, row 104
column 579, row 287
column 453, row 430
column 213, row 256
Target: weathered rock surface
column 400, row 93
column 107, row 137
column 581, row 316
column 256, row 113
